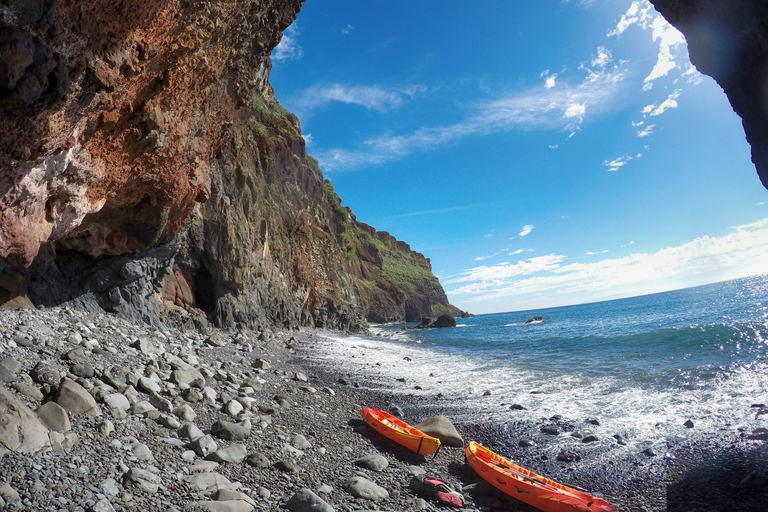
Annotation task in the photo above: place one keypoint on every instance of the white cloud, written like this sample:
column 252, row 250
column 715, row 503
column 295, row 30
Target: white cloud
column 371, row 97
column 550, row 81
column 346, row 30
column 553, row 146
column 482, row 258
column 693, row 76
column 648, row 130
column 592, row 253
column 669, row 39
column 516, row 252
column 526, row 229
column 706, row 259
column 307, row 138
column 560, row 108
column 288, row 48
column 638, row 13
column 670, row 102
column 617, row 163
column 575, row 110
column 503, row 271
column 638, row 123
column 604, row 56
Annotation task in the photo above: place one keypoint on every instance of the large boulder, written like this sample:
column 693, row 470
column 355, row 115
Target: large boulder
column 444, row 321
column 20, row 430
column 441, row 428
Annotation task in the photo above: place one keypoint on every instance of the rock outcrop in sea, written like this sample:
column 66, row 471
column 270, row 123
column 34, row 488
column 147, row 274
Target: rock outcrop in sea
column 145, row 159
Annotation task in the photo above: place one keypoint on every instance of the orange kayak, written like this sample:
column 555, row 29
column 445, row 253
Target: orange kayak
column 400, row 432
column 530, row 488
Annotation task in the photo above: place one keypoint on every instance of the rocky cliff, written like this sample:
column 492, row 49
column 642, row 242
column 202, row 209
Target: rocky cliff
column 141, row 148
column 728, row 40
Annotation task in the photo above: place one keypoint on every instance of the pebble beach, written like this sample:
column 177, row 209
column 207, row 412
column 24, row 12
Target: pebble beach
column 102, row 414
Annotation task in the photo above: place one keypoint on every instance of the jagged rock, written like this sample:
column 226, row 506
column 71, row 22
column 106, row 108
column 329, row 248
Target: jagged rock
column 20, row 430
column 444, row 321
column 45, row 373
column 440, row 427
column 234, row 453
column 190, row 378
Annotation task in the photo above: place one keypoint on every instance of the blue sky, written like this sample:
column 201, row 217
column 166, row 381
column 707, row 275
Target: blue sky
column 539, row 152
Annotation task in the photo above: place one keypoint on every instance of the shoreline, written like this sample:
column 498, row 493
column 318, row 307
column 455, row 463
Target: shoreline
column 302, row 428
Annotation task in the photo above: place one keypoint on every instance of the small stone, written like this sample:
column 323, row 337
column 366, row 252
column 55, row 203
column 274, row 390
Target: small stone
column 517, row 407
column 373, row 461
column 307, row 501
column 230, row 431
column 83, row 370
column 360, row 487
column 109, row 487
column 396, row 411
column 103, row 505
column 117, row 401
column 552, row 430
column 526, row 443
column 144, row 480
column 106, row 428
column 191, row 378
column 149, row 385
column 190, row 431
column 649, row 452
column 300, row 442
column 45, row 373
column 257, row 460
column 234, row 408
column 234, row 453
column 9, row 369
column 300, row 377
column 568, row 456
column 589, row 439
column 168, row 421
column 287, row 465
column 204, row 445
column 185, row 413
column 688, row 424
column 262, row 364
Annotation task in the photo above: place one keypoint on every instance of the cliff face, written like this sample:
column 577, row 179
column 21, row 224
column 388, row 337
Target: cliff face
column 149, row 131
column 728, row 40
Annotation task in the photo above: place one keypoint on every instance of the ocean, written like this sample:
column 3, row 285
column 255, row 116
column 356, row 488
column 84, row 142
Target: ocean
column 641, row 366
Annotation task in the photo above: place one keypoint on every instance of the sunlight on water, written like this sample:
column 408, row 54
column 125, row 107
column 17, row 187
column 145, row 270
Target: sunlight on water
column 635, row 364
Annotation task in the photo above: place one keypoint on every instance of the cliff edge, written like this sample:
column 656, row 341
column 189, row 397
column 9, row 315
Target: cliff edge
column 728, row 40
column 145, row 160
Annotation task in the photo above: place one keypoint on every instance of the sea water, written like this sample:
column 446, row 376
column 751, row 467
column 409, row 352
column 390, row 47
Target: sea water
column 641, row 366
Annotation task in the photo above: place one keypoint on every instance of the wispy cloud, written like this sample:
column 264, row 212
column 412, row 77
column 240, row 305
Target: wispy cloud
column 656, row 110
column 592, row 253
column 371, row 97
column 288, row 48
column 705, row 259
column 603, row 57
column 565, row 107
column 526, row 229
column 648, row 130
column 346, row 30
column 550, row 81
column 483, row 258
column 441, row 211
column 638, row 13
column 617, row 163
column 669, row 39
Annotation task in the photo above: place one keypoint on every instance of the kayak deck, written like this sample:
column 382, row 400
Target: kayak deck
column 400, row 432
column 529, row 487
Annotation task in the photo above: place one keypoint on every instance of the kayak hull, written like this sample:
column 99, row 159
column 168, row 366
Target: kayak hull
column 400, row 432
column 529, row 487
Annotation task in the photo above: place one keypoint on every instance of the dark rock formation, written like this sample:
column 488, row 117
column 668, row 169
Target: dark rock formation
column 534, row 320
column 728, row 40
column 129, row 130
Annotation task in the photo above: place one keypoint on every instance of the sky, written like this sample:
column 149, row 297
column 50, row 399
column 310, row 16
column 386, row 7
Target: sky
column 540, row 152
